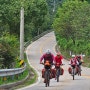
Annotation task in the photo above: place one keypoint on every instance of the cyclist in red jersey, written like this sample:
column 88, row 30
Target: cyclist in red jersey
column 47, row 56
column 58, row 58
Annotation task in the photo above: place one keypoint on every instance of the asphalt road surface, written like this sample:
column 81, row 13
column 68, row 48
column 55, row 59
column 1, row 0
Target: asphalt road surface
column 34, row 52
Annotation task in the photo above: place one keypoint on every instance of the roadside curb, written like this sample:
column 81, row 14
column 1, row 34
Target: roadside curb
column 11, row 85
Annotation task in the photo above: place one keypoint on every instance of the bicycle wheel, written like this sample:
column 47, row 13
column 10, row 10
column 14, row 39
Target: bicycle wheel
column 73, row 73
column 57, row 75
column 47, row 77
column 79, row 71
column 73, row 76
column 48, row 81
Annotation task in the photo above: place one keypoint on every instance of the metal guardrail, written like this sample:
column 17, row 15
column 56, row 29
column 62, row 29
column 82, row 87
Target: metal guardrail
column 37, row 37
column 14, row 71
column 9, row 72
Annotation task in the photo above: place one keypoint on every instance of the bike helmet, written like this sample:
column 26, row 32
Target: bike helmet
column 73, row 56
column 48, row 51
column 58, row 54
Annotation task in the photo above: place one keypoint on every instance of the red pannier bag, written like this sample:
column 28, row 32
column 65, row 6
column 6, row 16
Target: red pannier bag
column 77, row 70
column 62, row 71
column 43, row 71
column 70, row 70
column 53, row 72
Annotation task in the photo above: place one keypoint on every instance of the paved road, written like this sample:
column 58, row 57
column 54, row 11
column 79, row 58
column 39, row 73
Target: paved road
column 35, row 50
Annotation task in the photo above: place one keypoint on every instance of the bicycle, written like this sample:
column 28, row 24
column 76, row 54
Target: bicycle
column 80, row 61
column 73, row 70
column 79, row 68
column 58, row 71
column 47, row 73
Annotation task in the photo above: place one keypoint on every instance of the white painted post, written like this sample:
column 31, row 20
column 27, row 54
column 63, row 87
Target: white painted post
column 22, row 34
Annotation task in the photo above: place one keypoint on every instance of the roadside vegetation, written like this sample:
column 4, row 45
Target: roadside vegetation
column 72, row 28
column 37, row 20
column 30, row 73
column 30, row 80
column 70, row 20
column 9, row 49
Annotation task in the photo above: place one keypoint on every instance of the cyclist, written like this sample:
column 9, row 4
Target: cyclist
column 58, row 58
column 47, row 56
column 59, row 61
column 73, row 62
column 79, row 59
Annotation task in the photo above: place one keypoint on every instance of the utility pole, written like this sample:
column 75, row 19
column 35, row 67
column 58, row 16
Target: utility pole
column 22, row 34
column 54, row 6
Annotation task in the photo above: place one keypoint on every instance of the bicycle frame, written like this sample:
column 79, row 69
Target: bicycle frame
column 57, row 73
column 79, row 70
column 47, row 77
column 47, row 73
column 73, row 72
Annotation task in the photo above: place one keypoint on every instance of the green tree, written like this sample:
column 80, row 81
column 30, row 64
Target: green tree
column 72, row 22
column 35, row 14
column 36, row 17
column 39, row 16
column 9, row 50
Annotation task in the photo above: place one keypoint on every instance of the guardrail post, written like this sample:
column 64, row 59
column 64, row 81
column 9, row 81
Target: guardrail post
column 12, row 77
column 16, row 76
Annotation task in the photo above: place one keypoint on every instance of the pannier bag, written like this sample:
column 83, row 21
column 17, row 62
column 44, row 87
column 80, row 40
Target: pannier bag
column 52, row 74
column 61, row 71
column 70, row 70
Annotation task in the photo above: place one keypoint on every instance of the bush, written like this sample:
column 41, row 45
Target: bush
column 9, row 46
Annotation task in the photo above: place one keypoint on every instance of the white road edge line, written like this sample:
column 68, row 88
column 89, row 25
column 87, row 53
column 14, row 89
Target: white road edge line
column 39, row 78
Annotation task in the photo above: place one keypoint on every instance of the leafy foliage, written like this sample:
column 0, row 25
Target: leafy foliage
column 36, row 18
column 72, row 23
column 9, row 46
column 35, row 13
